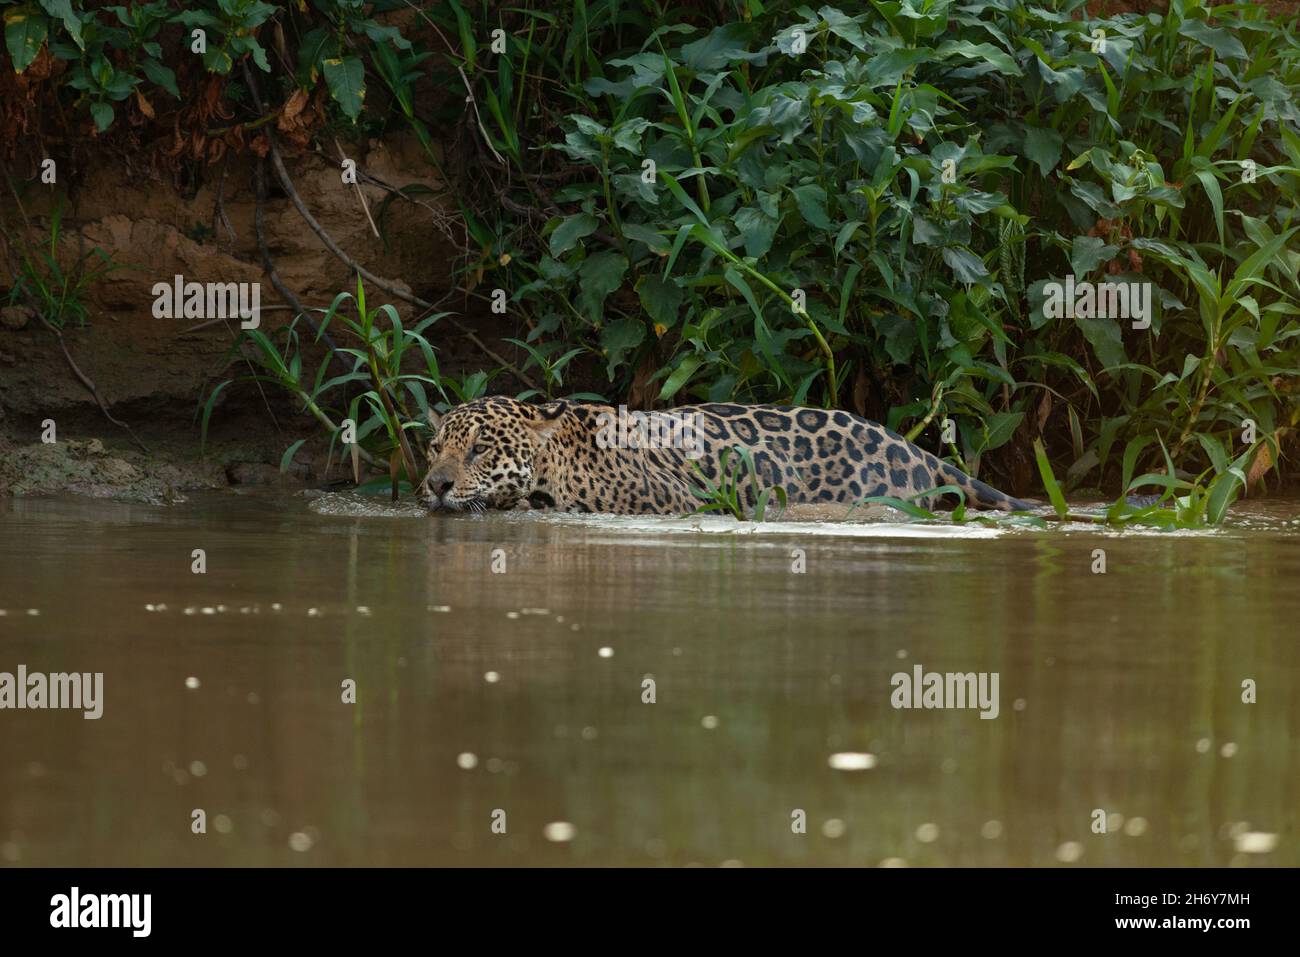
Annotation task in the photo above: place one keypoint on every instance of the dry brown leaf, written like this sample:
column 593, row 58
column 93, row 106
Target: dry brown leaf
column 1260, row 467
column 288, row 118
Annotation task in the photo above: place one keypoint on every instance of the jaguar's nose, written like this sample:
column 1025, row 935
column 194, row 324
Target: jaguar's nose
column 435, row 486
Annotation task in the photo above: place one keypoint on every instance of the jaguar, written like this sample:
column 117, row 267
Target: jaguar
column 501, row 453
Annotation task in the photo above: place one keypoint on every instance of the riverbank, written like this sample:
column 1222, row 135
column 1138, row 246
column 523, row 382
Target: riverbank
column 113, row 469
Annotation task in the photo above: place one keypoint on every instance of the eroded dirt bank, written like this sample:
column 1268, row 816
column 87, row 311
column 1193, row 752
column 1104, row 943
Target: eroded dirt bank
column 151, row 373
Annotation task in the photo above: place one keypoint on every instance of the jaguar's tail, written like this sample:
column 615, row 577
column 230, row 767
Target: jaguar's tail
column 986, row 496
column 978, row 494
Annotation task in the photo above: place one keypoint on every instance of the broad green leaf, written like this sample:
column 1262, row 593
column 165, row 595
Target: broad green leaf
column 346, row 79
column 162, row 75
column 757, row 229
column 980, row 51
column 1044, row 147
column 24, row 34
column 811, row 200
column 680, row 376
column 1001, row 426
column 661, row 299
column 1223, row 43
column 571, row 229
column 966, row 266
column 1089, row 252
column 617, row 338
column 62, row 10
column 1105, row 337
column 103, row 115
column 600, row 275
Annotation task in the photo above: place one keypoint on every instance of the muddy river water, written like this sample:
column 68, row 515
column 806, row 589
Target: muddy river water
column 347, row 683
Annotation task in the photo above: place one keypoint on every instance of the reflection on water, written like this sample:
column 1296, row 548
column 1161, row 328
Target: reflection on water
column 500, row 664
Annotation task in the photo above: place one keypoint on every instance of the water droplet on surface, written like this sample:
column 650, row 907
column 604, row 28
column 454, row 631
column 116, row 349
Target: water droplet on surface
column 559, row 832
column 1255, row 842
column 834, row 828
column 1069, row 852
column 852, row 761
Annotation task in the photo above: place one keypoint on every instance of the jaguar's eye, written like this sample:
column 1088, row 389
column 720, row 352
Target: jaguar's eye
column 481, row 448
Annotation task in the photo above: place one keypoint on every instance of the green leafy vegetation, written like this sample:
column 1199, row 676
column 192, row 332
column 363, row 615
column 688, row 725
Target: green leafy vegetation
column 779, row 225
column 53, row 289
column 870, row 209
column 738, row 491
column 373, row 420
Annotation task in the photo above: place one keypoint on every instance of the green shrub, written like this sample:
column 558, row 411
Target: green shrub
column 783, row 178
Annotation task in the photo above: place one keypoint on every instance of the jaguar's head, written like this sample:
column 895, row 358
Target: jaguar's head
column 484, row 454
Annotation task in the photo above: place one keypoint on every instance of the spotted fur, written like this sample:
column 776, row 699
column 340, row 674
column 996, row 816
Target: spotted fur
column 497, row 453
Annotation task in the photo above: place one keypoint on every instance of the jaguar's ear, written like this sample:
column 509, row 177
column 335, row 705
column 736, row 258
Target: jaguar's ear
column 545, row 429
column 435, row 420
